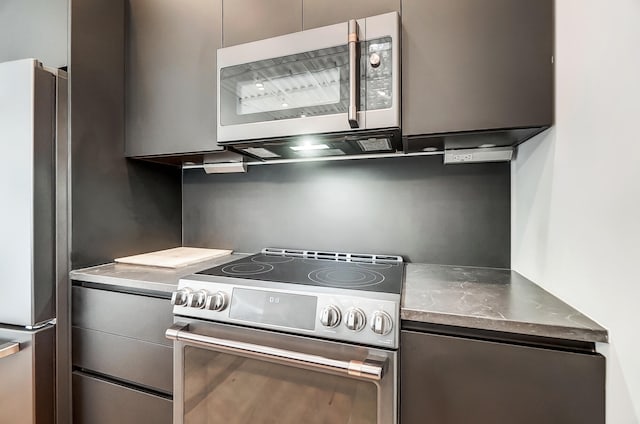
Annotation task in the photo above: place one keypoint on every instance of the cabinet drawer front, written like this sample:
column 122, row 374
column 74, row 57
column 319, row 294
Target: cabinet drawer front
column 130, row 315
column 100, row 402
column 143, row 363
column 453, row 380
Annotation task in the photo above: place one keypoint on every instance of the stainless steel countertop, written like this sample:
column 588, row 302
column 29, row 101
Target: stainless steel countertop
column 470, row 297
column 491, row 299
column 144, row 278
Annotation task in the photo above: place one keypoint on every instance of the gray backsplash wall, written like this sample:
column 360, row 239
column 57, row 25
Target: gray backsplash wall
column 119, row 207
column 411, row 206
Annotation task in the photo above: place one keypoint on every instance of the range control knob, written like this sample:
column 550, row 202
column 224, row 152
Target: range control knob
column 197, row 299
column 381, row 323
column 330, row 316
column 355, row 319
column 180, row 297
column 374, row 60
column 217, row 302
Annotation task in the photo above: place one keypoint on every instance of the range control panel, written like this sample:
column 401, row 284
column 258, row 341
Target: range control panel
column 340, row 317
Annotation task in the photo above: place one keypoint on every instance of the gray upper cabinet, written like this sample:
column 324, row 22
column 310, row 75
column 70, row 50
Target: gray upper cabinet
column 467, row 66
column 472, row 65
column 317, row 13
column 252, row 20
column 171, row 76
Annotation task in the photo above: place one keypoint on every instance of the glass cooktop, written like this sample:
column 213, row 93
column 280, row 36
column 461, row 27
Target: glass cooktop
column 377, row 277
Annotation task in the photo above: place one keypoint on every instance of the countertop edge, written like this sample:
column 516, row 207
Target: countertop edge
column 506, row 326
column 123, row 283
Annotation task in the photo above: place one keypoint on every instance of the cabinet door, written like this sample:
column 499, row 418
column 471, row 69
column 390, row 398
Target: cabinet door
column 473, row 65
column 97, row 401
column 171, row 76
column 252, row 20
column 317, row 13
column 451, row 380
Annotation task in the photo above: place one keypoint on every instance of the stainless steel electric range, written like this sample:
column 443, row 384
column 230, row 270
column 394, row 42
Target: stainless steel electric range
column 288, row 336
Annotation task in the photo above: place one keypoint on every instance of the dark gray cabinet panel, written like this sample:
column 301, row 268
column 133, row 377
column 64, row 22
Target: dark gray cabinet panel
column 171, row 76
column 472, row 65
column 251, row 20
column 452, row 380
column 141, row 363
column 120, row 207
column 129, row 315
column 97, row 401
column 121, row 335
column 317, row 13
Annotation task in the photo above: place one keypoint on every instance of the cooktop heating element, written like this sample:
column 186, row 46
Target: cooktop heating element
column 341, row 296
column 347, row 271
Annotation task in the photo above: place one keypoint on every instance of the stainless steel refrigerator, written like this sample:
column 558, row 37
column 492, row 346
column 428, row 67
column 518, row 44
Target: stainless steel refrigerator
column 33, row 235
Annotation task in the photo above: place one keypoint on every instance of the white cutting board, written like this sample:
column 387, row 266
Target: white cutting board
column 174, row 258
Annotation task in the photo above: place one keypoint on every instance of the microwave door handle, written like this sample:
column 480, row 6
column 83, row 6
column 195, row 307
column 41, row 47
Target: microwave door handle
column 8, row 349
column 369, row 368
column 354, row 71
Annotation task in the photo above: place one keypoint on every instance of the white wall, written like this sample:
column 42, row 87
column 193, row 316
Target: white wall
column 34, row 29
column 576, row 189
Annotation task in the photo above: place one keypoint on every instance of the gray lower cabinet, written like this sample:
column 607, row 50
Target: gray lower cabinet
column 252, row 20
column 97, row 401
column 318, row 13
column 470, row 65
column 171, row 76
column 123, row 363
column 455, row 380
column 132, row 361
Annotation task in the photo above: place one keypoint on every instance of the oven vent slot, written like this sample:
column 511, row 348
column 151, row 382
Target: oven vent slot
column 334, row 256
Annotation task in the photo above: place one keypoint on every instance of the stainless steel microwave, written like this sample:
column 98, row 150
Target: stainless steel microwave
column 327, row 91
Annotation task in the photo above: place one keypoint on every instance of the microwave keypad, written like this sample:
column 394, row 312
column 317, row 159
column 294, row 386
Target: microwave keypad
column 377, row 64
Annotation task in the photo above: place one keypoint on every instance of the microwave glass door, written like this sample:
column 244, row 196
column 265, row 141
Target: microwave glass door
column 302, row 85
column 232, row 389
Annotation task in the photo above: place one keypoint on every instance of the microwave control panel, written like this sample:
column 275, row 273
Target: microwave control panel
column 377, row 71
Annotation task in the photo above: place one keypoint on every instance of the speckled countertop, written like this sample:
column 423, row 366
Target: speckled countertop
column 491, row 299
column 479, row 298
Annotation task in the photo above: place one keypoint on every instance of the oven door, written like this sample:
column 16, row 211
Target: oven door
column 235, row 375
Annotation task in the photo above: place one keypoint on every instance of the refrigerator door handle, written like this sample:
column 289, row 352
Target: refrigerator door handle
column 8, row 349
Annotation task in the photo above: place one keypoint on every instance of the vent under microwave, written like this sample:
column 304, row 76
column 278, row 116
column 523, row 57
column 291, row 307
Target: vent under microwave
column 320, row 145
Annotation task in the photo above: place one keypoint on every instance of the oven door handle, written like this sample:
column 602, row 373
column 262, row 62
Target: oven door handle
column 354, row 74
column 372, row 369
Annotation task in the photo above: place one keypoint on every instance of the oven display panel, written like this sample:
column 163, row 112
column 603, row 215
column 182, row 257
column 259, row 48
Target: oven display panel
column 274, row 308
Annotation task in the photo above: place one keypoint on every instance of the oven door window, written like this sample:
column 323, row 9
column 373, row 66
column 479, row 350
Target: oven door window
column 304, row 85
column 230, row 389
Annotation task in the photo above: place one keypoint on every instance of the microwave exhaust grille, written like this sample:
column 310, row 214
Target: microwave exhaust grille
column 375, row 144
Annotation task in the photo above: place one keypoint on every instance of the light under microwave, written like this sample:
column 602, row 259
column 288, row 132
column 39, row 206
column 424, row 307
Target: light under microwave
column 327, row 91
